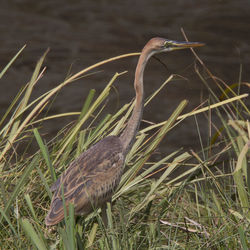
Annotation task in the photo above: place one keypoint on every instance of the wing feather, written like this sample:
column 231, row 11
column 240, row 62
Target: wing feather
column 89, row 181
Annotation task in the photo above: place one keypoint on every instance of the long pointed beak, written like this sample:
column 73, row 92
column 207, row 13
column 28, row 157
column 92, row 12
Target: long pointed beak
column 184, row 45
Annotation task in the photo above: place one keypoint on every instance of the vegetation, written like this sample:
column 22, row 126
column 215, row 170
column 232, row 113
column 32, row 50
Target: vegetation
column 206, row 206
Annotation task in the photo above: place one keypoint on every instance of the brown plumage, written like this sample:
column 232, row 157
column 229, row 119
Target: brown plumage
column 87, row 182
column 90, row 180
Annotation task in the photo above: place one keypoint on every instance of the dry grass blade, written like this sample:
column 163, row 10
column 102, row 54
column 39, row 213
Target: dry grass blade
column 186, row 228
column 11, row 61
column 198, row 111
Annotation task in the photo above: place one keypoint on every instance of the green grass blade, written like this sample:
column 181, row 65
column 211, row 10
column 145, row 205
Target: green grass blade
column 68, row 234
column 92, row 235
column 239, row 182
column 20, row 184
column 45, row 154
column 29, row 203
column 156, row 184
column 71, row 227
column 8, row 221
column 87, row 103
column 243, row 239
column 111, row 227
column 31, row 233
column 44, row 181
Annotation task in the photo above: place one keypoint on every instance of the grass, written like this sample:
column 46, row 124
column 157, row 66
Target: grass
column 205, row 206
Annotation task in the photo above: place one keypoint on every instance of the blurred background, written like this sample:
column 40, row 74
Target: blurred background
column 81, row 33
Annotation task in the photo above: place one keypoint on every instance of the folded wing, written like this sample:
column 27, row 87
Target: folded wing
column 89, row 181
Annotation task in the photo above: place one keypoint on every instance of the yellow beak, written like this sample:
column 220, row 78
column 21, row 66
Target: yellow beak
column 184, row 45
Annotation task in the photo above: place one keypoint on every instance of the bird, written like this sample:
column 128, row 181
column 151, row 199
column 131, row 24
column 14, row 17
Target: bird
column 91, row 179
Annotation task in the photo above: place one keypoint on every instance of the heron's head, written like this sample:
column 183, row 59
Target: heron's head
column 159, row 45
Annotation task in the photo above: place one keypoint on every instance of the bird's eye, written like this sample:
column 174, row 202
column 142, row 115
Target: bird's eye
column 167, row 44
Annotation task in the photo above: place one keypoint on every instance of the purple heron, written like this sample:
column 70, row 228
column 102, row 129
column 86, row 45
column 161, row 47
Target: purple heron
column 91, row 179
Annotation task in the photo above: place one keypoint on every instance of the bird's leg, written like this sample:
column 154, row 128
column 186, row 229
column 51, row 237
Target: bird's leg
column 104, row 213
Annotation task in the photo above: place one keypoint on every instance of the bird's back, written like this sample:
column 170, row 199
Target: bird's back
column 89, row 181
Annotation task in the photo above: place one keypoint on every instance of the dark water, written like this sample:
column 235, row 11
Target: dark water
column 85, row 32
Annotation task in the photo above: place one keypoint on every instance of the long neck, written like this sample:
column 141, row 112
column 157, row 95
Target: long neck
column 129, row 134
